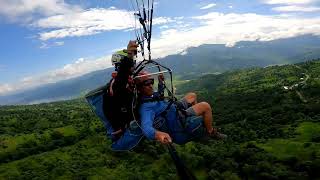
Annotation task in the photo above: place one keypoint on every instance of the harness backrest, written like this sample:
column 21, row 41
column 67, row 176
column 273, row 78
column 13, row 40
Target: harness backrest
column 117, row 109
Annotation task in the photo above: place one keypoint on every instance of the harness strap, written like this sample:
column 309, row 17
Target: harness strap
column 153, row 99
column 182, row 169
column 181, row 111
column 164, row 113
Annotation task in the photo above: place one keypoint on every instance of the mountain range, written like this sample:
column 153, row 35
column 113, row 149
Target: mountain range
column 190, row 64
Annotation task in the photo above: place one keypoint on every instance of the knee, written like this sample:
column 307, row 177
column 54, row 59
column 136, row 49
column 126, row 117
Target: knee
column 192, row 95
column 206, row 106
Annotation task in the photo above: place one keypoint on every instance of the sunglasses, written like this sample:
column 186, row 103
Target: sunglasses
column 148, row 82
column 133, row 52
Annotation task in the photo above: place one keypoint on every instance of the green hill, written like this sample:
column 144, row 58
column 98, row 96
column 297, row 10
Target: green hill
column 272, row 116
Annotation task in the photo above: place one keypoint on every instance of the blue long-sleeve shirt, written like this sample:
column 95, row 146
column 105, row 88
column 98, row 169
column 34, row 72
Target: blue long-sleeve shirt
column 149, row 111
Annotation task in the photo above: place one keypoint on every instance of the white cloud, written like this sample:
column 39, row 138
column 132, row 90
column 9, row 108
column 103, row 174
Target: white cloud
column 296, row 9
column 184, row 53
column 162, row 20
column 5, row 88
column 88, row 22
column 212, row 28
column 92, row 21
column 26, row 8
column 78, row 68
column 219, row 28
column 59, row 43
column 44, row 46
column 208, row 6
column 288, row 2
column 293, row 5
column 57, row 19
column 47, row 45
column 164, row 27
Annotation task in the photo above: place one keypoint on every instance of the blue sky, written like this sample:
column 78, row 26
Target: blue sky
column 45, row 41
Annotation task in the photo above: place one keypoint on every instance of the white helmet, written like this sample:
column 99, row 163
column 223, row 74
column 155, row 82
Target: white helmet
column 118, row 56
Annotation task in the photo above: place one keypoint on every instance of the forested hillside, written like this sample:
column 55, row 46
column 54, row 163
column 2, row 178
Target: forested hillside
column 217, row 58
column 272, row 116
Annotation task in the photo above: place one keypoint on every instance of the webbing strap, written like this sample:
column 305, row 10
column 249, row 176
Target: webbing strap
column 164, row 113
column 182, row 169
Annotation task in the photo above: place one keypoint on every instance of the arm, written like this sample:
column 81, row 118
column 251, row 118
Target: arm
column 161, row 87
column 147, row 116
column 163, row 137
column 121, row 80
column 125, row 68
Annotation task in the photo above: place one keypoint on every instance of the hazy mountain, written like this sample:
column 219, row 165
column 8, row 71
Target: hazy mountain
column 194, row 62
column 219, row 58
column 62, row 90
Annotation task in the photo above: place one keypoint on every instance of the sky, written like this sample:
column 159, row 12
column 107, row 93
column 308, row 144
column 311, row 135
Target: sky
column 46, row 41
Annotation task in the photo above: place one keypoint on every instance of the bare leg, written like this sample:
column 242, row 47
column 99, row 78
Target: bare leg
column 191, row 98
column 204, row 109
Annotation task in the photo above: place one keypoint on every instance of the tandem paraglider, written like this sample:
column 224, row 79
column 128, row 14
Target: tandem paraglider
column 132, row 108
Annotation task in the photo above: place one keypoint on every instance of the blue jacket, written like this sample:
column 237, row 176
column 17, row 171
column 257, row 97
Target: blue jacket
column 151, row 111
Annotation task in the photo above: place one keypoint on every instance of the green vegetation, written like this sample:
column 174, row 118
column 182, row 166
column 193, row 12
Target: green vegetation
column 273, row 133
column 302, row 146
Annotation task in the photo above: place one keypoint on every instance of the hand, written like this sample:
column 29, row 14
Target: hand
column 132, row 48
column 163, row 137
column 161, row 77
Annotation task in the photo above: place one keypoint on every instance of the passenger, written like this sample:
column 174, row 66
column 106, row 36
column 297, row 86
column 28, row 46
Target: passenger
column 166, row 122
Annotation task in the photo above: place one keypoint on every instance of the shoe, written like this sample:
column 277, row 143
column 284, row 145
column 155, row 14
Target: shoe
column 216, row 135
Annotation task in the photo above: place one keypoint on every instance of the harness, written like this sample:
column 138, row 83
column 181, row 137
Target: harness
column 181, row 110
column 118, row 110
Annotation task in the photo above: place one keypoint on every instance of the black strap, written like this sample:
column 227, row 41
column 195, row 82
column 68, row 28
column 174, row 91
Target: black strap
column 168, row 107
column 153, row 99
column 179, row 108
column 182, row 109
column 183, row 171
